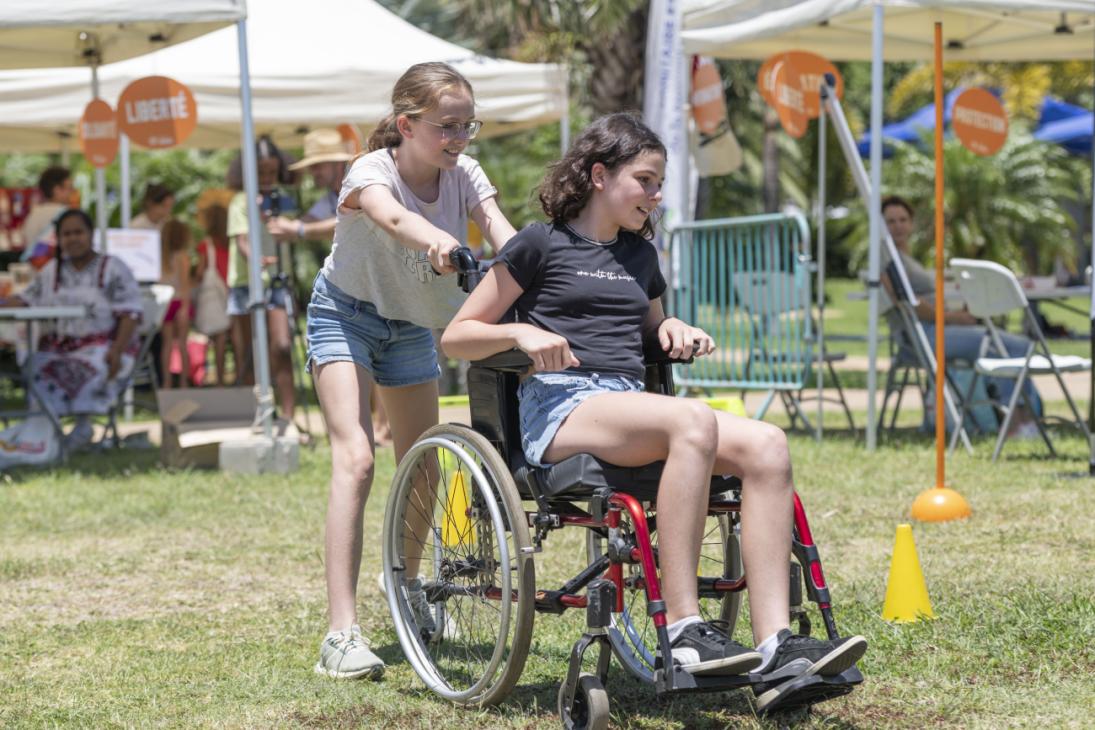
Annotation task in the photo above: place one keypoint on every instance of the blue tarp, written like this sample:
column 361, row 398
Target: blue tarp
column 912, row 129
column 1068, row 125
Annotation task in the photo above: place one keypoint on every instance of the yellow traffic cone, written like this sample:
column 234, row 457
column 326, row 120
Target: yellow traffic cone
column 906, row 592
column 456, row 529
column 731, row 404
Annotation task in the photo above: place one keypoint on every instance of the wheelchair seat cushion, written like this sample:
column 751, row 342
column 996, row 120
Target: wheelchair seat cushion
column 580, row 475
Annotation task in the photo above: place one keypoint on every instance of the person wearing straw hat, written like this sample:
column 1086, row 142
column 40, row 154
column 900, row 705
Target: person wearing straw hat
column 325, row 156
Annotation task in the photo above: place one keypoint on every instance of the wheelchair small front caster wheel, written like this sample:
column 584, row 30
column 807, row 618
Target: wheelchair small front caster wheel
column 590, row 708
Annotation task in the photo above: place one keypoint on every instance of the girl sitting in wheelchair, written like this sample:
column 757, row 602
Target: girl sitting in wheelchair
column 586, row 289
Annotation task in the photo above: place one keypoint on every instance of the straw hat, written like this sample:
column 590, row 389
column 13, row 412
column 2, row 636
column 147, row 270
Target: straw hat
column 323, row 145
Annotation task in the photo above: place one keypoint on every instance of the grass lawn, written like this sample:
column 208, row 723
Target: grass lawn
column 135, row 596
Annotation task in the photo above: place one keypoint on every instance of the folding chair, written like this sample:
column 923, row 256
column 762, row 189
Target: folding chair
column 991, row 290
column 911, row 352
column 774, row 300
column 156, row 299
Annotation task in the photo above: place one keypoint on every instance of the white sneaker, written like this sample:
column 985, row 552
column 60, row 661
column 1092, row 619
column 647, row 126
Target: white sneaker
column 346, row 655
column 422, row 609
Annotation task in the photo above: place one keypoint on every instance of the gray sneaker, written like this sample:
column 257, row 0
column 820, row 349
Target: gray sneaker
column 422, row 609
column 346, row 655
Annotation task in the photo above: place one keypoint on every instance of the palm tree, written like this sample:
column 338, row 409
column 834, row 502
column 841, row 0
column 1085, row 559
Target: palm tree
column 1007, row 208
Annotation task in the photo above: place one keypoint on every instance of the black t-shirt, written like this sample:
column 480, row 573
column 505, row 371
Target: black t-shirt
column 596, row 296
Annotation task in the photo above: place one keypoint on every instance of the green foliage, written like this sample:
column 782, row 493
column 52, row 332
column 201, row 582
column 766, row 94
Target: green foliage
column 1006, row 208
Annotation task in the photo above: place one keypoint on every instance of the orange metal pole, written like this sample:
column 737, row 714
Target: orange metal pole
column 939, row 503
column 940, row 370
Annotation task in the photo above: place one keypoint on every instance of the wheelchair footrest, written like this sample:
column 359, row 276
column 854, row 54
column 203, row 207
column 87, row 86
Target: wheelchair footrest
column 680, row 682
column 805, row 691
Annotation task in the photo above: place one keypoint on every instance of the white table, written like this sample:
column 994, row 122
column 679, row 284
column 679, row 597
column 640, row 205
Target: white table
column 31, row 316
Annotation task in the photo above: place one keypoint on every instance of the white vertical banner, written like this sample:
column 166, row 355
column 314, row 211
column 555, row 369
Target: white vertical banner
column 665, row 105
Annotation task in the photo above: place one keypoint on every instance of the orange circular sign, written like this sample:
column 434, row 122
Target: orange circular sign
column 157, row 112
column 789, row 100
column 980, row 122
column 810, row 68
column 99, row 133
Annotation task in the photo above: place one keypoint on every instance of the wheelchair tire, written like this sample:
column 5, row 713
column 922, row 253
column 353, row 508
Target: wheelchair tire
column 631, row 633
column 590, row 710
column 475, row 549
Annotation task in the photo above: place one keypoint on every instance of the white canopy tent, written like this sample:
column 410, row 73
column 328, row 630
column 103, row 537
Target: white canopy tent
column 34, row 34
column 973, row 30
column 333, row 62
column 86, row 24
column 879, row 30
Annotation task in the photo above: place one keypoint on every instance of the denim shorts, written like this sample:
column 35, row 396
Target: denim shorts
column 238, row 295
column 344, row 329
column 546, row 399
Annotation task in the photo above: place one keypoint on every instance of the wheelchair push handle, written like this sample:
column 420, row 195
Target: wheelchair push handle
column 468, row 271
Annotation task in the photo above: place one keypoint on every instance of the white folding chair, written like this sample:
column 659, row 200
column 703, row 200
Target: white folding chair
column 155, row 301
column 991, row 290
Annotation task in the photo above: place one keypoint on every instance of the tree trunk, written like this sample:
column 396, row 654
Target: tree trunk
column 617, row 64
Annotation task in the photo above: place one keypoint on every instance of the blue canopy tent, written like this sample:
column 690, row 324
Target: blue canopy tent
column 1070, row 126
column 912, row 129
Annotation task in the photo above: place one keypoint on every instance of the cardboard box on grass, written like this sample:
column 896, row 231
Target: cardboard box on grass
column 196, row 421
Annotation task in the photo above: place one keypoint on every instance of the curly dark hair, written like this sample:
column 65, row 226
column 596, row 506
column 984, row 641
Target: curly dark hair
column 612, row 140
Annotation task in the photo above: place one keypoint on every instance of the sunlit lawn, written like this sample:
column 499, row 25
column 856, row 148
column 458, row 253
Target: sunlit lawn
column 133, row 596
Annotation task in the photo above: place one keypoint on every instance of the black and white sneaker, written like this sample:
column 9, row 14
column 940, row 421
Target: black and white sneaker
column 799, row 656
column 704, row 648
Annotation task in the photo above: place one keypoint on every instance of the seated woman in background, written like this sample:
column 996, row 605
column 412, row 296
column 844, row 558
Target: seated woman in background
column 175, row 272
column 81, row 364
column 963, row 335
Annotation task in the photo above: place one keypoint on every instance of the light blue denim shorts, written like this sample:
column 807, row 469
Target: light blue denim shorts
column 546, row 399
column 344, row 329
column 238, row 296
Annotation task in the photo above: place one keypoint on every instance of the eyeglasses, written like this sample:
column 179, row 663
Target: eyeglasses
column 457, row 130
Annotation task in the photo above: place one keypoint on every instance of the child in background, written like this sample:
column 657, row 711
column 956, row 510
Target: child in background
column 175, row 266
column 211, row 278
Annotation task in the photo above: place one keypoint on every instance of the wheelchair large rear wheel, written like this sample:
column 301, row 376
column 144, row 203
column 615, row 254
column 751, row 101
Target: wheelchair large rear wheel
column 464, row 617
column 632, row 633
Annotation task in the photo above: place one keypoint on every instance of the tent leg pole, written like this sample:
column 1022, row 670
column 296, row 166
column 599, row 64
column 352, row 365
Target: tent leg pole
column 100, row 174
column 820, row 369
column 873, row 257
column 255, row 302
column 564, row 120
column 1091, row 331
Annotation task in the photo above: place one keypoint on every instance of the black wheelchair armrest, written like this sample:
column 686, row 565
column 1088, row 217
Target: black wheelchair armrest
column 514, row 360
column 653, row 354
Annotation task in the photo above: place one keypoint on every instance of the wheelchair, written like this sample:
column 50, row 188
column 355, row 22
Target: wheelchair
column 466, row 516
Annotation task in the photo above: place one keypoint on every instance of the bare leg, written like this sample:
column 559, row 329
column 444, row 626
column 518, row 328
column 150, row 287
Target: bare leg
column 241, row 349
column 182, row 329
column 219, row 342
column 757, row 453
column 343, row 389
column 281, row 363
column 413, row 410
column 636, row 429
column 633, row 429
column 381, row 428
column 167, row 346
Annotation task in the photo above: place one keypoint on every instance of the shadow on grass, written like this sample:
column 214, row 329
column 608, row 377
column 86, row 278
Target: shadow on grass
column 634, row 704
column 99, row 462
